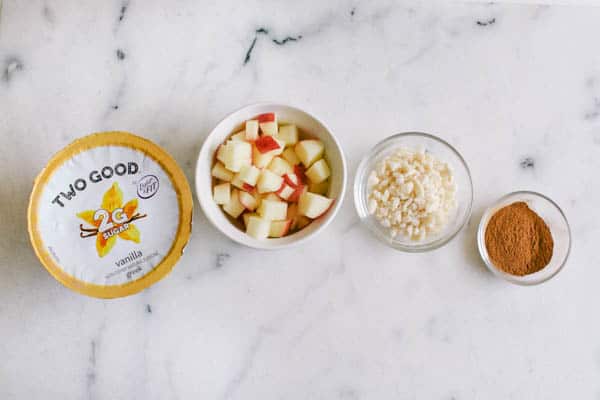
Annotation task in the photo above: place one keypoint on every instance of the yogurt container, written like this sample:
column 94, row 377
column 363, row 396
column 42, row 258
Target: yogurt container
column 110, row 214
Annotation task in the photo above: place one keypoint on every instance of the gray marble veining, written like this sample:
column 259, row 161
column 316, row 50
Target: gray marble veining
column 515, row 87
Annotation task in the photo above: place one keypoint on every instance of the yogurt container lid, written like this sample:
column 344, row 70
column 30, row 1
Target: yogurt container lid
column 110, row 214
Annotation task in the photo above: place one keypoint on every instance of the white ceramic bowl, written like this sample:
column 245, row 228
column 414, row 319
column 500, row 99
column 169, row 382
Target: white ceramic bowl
column 306, row 122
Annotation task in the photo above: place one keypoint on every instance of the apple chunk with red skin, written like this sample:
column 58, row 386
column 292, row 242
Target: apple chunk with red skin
column 262, row 159
column 268, row 124
column 292, row 179
column 291, row 188
column 264, row 144
column 313, row 205
column 238, row 183
column 279, row 228
column 286, row 191
column 267, row 117
column 290, row 193
column 246, row 179
column 248, row 200
column 268, row 181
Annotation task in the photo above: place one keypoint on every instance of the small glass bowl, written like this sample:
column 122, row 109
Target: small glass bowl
column 444, row 152
column 551, row 213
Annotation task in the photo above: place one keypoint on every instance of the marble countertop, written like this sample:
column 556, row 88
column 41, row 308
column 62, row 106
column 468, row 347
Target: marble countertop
column 516, row 88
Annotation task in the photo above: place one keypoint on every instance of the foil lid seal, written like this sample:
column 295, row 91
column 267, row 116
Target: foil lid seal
column 110, row 214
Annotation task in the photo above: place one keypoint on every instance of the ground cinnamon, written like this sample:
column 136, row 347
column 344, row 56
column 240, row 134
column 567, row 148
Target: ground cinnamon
column 518, row 240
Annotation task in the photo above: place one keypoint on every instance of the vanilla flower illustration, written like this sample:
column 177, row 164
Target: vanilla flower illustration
column 112, row 200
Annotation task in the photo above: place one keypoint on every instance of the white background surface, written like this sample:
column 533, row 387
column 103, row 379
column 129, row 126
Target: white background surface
column 342, row 316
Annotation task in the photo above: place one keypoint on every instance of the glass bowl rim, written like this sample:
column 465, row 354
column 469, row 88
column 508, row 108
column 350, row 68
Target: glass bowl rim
column 515, row 279
column 360, row 172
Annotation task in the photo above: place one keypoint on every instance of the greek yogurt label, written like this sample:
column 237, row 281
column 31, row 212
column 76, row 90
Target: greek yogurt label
column 108, row 215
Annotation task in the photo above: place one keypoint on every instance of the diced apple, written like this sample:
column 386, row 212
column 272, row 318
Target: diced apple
column 268, row 124
column 237, row 154
column 220, row 172
column 298, row 221
column 272, row 210
column 313, row 205
column 281, row 148
column 300, row 172
column 279, row 228
column 249, row 174
column 261, row 160
column 319, row 188
column 269, row 128
column 309, row 151
column 280, row 166
column 286, row 191
column 268, row 181
column 292, row 179
column 292, row 214
column 265, row 144
column 236, row 164
column 271, row 197
column 247, row 215
column 222, row 152
column 318, row 172
column 290, row 156
column 258, row 227
column 300, row 190
column 238, row 183
column 240, row 136
column 289, row 134
column 258, row 196
column 234, row 207
column 251, row 130
column 302, row 221
column 267, row 117
column 248, row 201
column 222, row 193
